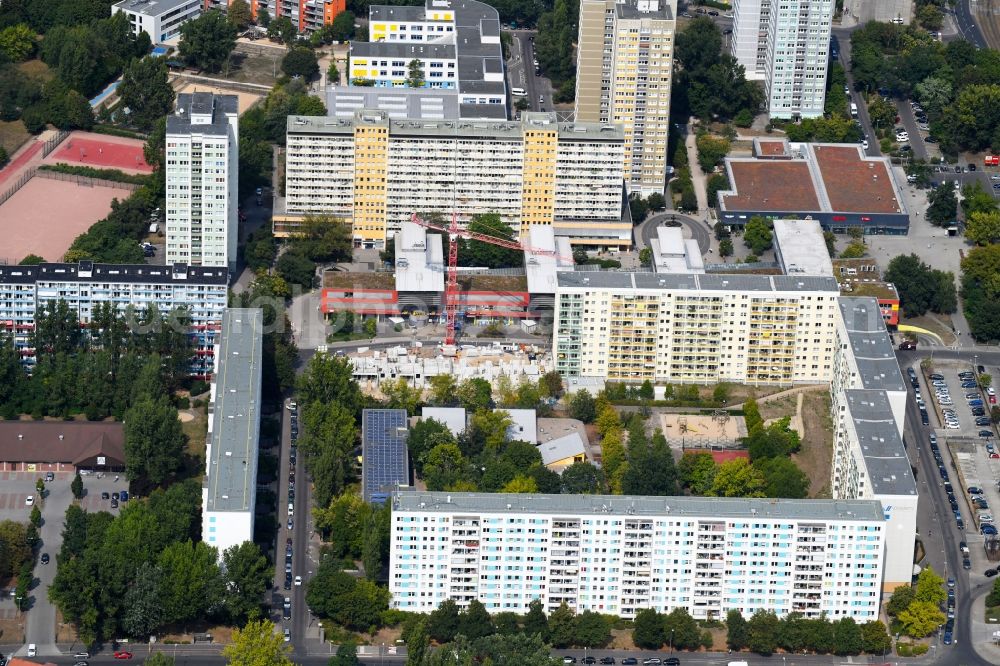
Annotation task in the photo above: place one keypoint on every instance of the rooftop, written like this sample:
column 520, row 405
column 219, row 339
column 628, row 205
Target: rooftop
column 708, row 508
column 419, row 259
column 861, row 277
column 71, row 442
column 358, row 280
column 392, row 13
column 88, row 271
column 562, row 448
column 452, row 417
column 885, row 456
column 554, row 254
column 772, row 148
column 202, row 113
column 384, row 457
column 817, row 177
column 152, row 7
column 399, row 103
column 869, row 339
column 231, row 477
column 635, row 9
column 517, row 283
column 694, row 282
column 406, row 50
column 672, row 253
column 801, row 248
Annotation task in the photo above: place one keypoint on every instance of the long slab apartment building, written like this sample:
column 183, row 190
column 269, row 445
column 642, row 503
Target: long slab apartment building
column 618, row 555
column 376, row 171
column 202, row 291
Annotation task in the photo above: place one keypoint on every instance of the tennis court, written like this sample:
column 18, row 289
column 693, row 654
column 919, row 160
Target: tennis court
column 102, row 152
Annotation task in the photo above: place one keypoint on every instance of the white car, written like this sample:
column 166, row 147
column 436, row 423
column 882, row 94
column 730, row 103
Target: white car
column 952, row 425
column 29, row 500
column 902, row 136
column 864, row 144
column 990, row 391
column 32, row 649
column 298, row 581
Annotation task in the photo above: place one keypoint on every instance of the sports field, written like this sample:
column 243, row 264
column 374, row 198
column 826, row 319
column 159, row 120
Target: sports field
column 101, row 151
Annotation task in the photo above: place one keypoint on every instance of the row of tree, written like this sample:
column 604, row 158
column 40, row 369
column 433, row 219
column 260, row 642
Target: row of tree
column 955, row 82
column 917, row 608
column 981, row 292
column 921, row 288
column 765, row 633
column 147, row 568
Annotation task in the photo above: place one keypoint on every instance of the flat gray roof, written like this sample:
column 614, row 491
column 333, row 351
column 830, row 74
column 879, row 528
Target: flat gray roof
column 629, row 9
column 705, row 282
column 623, row 505
column 408, row 50
column 392, row 13
column 179, row 122
column 885, row 456
column 869, row 339
column 153, row 7
column 232, row 462
column 801, row 248
column 399, row 103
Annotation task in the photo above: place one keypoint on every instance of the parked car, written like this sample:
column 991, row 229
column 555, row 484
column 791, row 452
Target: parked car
column 45, row 558
column 122, row 654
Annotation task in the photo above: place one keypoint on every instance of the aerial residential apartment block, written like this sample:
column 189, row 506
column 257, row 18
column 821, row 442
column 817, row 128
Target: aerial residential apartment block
column 695, row 327
column 786, row 44
column 455, row 42
column 160, row 19
column 202, row 174
column 229, row 490
column 202, row 292
column 376, row 172
column 619, row 554
column 624, row 71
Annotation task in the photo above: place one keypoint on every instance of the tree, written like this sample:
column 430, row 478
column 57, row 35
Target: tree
column 983, row 228
column 775, row 440
column 763, row 632
column 191, row 582
column 247, row 576
column 974, row 116
column 737, row 631
column 415, row 78
column 143, row 602
column 15, row 549
column 874, row 637
column 581, row 406
column 443, row 623
column 347, row 655
column 562, row 627
column 17, row 42
column 920, row 287
column 482, row 254
column 930, row 587
column 342, row 28
column 300, row 61
column 656, row 201
column 158, row 659
column 977, row 200
column 726, row 248
column 146, row 91
column 943, row 207
column 782, row 478
column 847, row 637
column 881, row 112
column 423, row 437
column 295, row 268
column 282, row 29
column 417, row 642
column 154, row 441
column 757, row 235
column 697, row 472
column 581, row 477
column 238, row 13
column 444, row 466
column 535, row 622
column 207, row 41
column 475, row 394
column 520, row 484
column 647, row 629
column 551, row 384
column 475, row 622
column 76, row 486
column 711, row 151
column 645, row 256
column 592, row 630
column 738, row 478
column 638, row 209
column 263, row 18
column 920, row 618
column 333, row 74
column 257, row 644
column 900, row 600
column 681, row 630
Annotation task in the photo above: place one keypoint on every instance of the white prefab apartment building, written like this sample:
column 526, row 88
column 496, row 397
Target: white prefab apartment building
column 786, row 44
column 229, row 490
column 376, row 171
column 202, row 292
column 160, row 19
column 618, row 555
column 869, row 456
column 202, row 174
column 624, row 74
column 699, row 328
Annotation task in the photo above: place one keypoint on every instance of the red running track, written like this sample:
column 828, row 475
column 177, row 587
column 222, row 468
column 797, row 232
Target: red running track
column 20, row 161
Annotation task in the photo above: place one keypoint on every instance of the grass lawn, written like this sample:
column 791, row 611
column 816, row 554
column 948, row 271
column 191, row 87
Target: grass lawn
column 196, row 430
column 815, row 457
column 12, row 135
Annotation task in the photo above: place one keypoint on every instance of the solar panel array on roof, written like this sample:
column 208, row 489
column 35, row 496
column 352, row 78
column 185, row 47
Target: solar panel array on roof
column 384, row 456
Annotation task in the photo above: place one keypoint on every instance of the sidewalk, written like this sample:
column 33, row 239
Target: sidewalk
column 697, row 175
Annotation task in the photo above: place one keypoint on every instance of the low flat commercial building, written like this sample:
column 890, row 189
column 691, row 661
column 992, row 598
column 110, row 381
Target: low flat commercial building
column 376, row 172
column 800, row 248
column 160, row 19
column 672, row 253
column 62, row 446
column 697, row 328
column 385, row 462
column 861, row 278
column 408, row 104
column 229, row 491
column 868, row 410
column 130, row 288
column 455, row 42
column 618, row 554
column 835, row 184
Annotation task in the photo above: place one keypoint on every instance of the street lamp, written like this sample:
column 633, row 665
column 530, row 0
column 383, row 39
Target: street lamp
column 671, row 641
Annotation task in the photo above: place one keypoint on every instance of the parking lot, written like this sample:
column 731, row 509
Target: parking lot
column 964, row 451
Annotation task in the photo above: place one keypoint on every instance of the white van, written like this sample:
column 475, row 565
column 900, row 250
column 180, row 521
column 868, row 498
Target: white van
column 854, row 110
column 518, row 92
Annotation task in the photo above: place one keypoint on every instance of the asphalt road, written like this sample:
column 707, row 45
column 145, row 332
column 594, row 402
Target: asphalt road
column 699, row 230
column 909, row 122
column 521, row 72
column 966, row 23
column 844, row 41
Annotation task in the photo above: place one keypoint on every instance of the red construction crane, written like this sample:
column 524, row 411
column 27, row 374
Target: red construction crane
column 451, row 288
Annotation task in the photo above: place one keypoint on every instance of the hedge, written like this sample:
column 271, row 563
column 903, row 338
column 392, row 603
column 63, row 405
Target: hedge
column 102, row 174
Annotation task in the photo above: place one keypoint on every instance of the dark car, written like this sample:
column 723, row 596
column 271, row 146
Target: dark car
column 947, row 638
column 672, row 661
column 630, row 661
column 45, row 558
column 924, row 419
column 114, row 504
column 607, row 660
column 982, row 421
column 589, row 660
column 105, row 496
column 989, row 573
column 960, row 524
column 988, row 529
column 288, row 584
column 114, row 496
column 966, row 563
